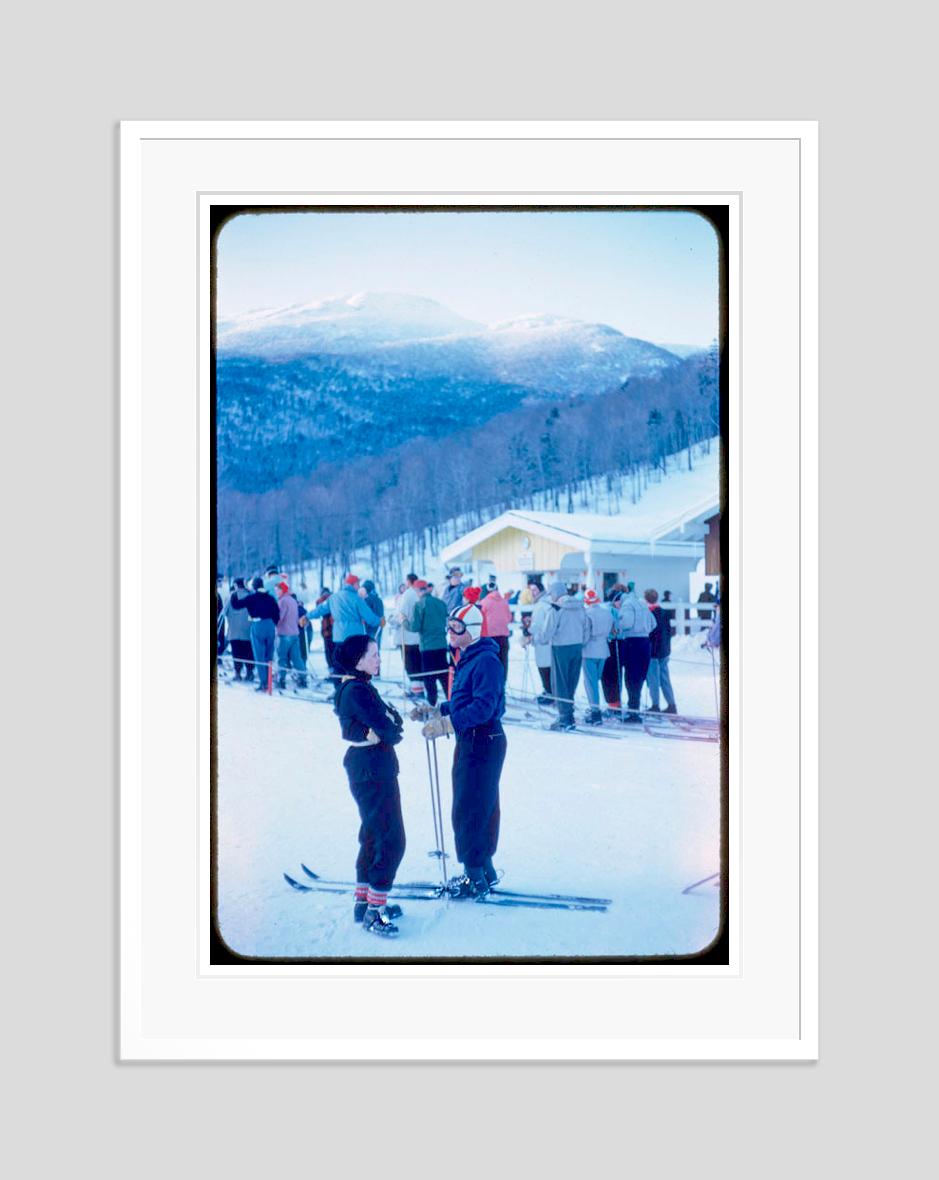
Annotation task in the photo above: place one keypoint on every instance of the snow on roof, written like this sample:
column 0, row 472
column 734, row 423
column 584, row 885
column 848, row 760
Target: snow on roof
column 673, row 510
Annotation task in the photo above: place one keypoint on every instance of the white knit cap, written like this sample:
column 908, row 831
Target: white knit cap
column 471, row 616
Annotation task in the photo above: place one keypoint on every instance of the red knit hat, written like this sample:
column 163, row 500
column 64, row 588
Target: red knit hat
column 591, row 598
column 420, row 584
column 352, row 580
column 472, row 593
column 283, row 587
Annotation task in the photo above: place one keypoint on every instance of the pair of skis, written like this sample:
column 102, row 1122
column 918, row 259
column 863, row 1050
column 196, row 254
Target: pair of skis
column 429, row 891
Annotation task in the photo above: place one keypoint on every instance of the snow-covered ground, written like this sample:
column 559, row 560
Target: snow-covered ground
column 635, row 819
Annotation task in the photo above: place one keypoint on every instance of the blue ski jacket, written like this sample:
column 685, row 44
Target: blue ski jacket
column 351, row 616
column 478, row 697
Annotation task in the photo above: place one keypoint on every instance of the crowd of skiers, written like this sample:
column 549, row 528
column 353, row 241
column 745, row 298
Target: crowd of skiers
column 617, row 645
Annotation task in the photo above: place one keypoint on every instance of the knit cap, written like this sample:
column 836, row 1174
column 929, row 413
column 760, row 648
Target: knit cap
column 471, row 617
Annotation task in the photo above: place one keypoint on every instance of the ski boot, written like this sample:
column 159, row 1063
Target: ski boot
column 393, row 911
column 544, row 699
column 376, row 920
column 671, row 709
column 473, row 883
column 562, row 726
column 632, row 718
column 594, row 717
column 653, row 709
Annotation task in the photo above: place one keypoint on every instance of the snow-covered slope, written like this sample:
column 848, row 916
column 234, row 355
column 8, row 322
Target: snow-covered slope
column 635, row 819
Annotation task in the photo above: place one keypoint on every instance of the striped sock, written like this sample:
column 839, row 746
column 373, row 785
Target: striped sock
column 361, row 891
column 376, row 897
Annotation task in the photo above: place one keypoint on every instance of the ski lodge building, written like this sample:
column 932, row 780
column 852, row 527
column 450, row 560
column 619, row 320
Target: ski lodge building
column 652, row 545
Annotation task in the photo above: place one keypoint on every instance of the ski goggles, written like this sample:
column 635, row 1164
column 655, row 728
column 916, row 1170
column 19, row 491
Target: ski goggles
column 457, row 626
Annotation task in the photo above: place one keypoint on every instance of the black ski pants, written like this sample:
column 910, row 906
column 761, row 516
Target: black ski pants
column 477, row 765
column 412, row 660
column 243, row 656
column 634, row 656
column 611, row 677
column 434, row 668
column 381, row 836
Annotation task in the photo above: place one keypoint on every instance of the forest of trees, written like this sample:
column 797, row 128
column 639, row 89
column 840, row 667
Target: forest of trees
column 386, row 504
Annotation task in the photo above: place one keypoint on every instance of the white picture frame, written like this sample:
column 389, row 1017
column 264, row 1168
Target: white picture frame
column 174, row 1003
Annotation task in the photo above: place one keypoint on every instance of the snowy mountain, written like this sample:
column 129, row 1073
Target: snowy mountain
column 410, row 335
column 337, row 326
column 549, row 354
column 372, row 370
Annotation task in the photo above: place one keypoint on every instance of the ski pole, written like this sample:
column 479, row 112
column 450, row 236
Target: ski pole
column 443, row 847
column 433, row 804
column 717, row 703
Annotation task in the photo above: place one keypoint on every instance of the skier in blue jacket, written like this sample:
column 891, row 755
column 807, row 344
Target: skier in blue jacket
column 474, row 713
column 351, row 614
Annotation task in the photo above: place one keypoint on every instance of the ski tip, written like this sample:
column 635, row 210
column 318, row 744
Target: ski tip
column 295, row 884
column 309, row 872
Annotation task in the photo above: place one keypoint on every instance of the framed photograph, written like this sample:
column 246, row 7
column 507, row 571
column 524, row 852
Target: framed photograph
column 476, row 546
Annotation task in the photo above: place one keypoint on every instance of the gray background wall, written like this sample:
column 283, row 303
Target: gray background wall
column 71, row 72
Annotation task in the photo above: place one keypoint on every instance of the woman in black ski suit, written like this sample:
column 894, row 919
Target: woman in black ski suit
column 371, row 728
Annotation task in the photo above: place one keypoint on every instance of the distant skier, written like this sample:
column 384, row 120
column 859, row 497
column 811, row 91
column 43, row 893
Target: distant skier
column 611, row 679
column 350, row 614
column 497, row 615
column 660, row 650
column 287, row 630
column 371, row 728
column 596, row 651
column 265, row 615
column 564, row 626
column 377, row 607
column 706, row 595
column 239, row 631
column 541, row 604
column 411, row 641
column 634, row 624
column 429, row 621
column 474, row 713
column 453, row 595
column 326, row 628
column 669, row 613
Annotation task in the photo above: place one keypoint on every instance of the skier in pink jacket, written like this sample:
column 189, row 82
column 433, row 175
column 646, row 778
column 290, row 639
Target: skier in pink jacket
column 496, row 619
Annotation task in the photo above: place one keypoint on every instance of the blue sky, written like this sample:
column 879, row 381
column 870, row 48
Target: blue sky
column 650, row 274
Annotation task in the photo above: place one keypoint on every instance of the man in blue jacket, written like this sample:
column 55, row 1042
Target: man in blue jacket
column 351, row 614
column 474, row 713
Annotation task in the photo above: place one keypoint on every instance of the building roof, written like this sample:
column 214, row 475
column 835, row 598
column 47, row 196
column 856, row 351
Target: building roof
column 670, row 517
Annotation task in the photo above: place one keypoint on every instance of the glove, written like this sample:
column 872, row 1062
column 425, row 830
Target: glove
column 423, row 711
column 437, row 727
